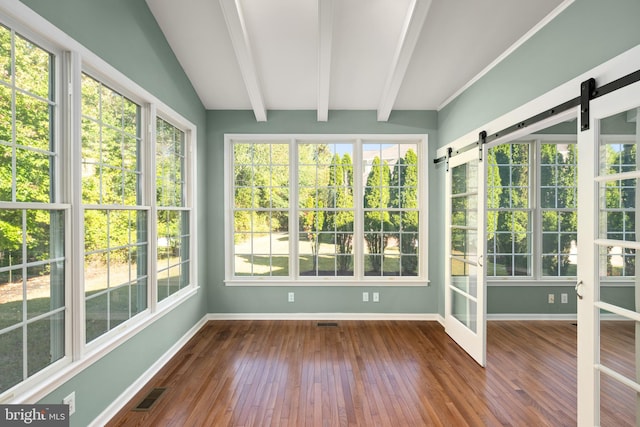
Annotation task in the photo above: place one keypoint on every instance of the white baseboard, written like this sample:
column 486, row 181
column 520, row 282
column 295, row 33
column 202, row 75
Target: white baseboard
column 324, row 316
column 509, row 316
column 115, row 406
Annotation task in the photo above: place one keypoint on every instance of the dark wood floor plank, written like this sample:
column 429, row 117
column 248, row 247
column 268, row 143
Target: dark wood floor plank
column 380, row 373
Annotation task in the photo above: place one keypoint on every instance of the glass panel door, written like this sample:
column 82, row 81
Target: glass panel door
column 608, row 287
column 465, row 292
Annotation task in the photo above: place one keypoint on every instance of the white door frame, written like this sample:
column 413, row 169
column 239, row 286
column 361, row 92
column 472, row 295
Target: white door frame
column 473, row 342
column 590, row 368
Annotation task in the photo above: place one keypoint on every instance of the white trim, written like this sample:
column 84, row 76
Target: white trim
column 532, row 316
column 110, row 411
column 325, row 316
column 328, row 281
column 522, row 40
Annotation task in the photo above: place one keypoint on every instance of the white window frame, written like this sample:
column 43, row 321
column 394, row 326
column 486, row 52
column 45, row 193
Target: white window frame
column 359, row 279
column 536, row 278
column 72, row 58
column 189, row 201
column 144, row 205
column 60, row 202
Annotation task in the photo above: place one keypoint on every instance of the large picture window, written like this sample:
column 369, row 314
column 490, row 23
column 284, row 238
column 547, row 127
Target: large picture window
column 355, row 212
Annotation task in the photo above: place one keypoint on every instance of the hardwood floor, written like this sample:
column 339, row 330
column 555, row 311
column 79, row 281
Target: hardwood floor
column 375, row 373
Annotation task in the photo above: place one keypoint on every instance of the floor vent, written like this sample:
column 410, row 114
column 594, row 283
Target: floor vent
column 327, row 324
column 151, row 398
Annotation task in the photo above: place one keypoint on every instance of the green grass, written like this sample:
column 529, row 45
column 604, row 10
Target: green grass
column 38, row 341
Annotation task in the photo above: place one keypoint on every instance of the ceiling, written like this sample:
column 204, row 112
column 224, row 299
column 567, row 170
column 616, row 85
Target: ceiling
column 325, row 55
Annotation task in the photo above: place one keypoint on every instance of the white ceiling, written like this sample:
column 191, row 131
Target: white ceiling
column 342, row 54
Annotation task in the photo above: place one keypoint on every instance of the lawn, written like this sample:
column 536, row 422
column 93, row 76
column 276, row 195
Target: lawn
column 269, row 256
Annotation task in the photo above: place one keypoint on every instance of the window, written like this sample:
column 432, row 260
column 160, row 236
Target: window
column 355, row 212
column 509, row 247
column 81, row 257
column 618, row 205
column 558, row 208
column 115, row 219
column 172, row 211
column 519, row 219
column 32, row 219
column 327, row 212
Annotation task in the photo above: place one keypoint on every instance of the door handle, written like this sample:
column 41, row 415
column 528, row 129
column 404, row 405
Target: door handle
column 578, row 289
column 480, row 260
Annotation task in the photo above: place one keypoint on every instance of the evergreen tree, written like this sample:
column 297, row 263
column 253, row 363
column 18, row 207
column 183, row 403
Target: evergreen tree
column 406, row 223
column 376, row 215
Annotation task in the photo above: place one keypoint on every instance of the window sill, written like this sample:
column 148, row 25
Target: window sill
column 571, row 281
column 328, row 282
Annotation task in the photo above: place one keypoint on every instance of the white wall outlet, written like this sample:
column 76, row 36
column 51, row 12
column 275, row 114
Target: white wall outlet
column 376, row 297
column 552, row 298
column 564, row 298
column 291, row 297
column 365, row 297
column 71, row 401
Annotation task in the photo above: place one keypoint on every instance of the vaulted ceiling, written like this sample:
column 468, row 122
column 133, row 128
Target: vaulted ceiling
column 326, row 55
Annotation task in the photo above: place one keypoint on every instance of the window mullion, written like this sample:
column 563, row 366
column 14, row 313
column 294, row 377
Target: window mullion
column 25, row 309
column 149, row 196
column 14, row 173
column 75, row 263
column 294, row 213
column 535, row 165
column 358, row 226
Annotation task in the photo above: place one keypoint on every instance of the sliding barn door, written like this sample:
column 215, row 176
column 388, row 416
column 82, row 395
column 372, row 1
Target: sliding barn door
column 465, row 307
column 608, row 253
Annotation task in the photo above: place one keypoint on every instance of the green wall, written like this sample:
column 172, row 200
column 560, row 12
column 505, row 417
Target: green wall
column 586, row 34
column 125, row 34
column 314, row 299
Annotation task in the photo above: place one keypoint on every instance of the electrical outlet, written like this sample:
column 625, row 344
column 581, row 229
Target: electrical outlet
column 564, row 298
column 291, row 297
column 376, row 297
column 71, row 401
column 552, row 298
column 365, row 297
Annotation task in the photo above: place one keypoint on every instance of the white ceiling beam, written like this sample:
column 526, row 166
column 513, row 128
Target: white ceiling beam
column 242, row 48
column 325, row 38
column 416, row 16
